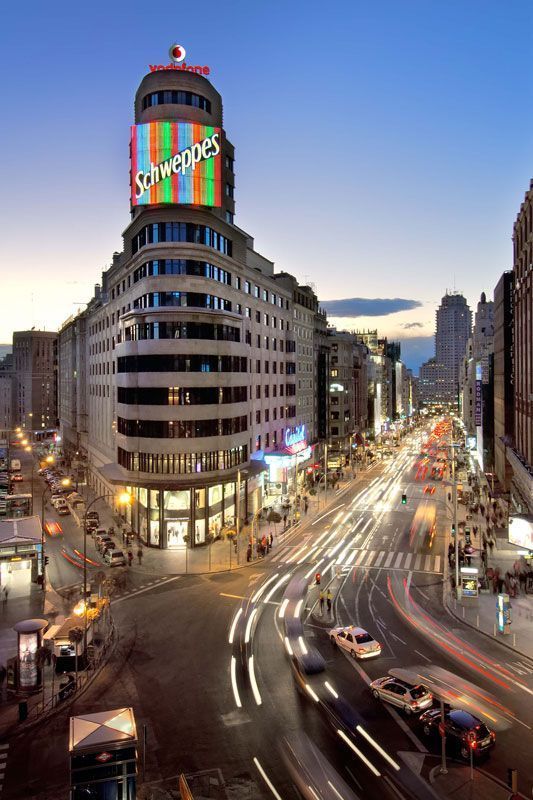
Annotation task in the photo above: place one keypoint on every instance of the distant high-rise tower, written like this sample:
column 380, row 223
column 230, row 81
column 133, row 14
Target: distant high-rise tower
column 439, row 377
column 454, row 328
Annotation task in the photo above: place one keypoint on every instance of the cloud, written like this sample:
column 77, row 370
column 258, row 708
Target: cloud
column 367, row 306
column 409, row 325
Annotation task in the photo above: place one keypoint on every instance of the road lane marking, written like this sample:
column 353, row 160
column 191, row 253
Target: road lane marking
column 407, row 562
column 379, row 559
column 142, row 591
column 266, row 779
column 233, row 596
column 417, row 561
column 398, row 560
column 422, row 654
column 437, row 564
column 389, row 559
column 427, row 563
column 371, row 557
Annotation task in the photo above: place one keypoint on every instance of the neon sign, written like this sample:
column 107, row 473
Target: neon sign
column 177, row 55
column 295, row 439
column 175, row 162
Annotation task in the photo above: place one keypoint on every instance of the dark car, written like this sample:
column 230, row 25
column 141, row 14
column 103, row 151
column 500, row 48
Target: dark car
column 464, row 732
column 93, row 515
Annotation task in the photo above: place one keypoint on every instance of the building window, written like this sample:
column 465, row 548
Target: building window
column 173, row 97
column 182, row 463
column 157, row 232
column 181, row 363
column 182, row 300
column 182, row 266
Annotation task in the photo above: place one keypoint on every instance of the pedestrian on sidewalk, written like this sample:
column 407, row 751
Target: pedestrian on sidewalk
column 329, row 598
column 5, row 595
column 249, row 552
column 123, row 536
column 491, row 544
column 284, row 521
column 321, row 599
column 140, row 555
column 130, row 558
column 271, row 539
column 306, row 503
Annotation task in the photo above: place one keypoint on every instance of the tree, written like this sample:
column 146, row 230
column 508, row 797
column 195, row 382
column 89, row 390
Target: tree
column 75, row 636
column 274, row 517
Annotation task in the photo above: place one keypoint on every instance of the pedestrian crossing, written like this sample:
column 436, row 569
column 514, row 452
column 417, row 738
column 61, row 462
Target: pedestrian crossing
column 365, row 558
column 3, row 762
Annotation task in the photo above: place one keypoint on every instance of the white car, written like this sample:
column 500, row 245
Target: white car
column 356, row 641
column 410, row 698
column 58, row 500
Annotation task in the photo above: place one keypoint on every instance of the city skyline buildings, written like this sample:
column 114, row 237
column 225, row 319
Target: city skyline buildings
column 451, row 157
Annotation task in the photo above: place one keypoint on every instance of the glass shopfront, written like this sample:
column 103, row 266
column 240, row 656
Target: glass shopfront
column 187, row 517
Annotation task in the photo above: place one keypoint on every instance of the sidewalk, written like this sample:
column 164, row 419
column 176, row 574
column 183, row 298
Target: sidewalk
column 480, row 613
column 457, row 784
column 221, row 555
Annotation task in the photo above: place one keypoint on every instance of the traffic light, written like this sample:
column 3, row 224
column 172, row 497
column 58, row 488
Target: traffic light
column 404, row 499
column 512, row 779
column 453, row 529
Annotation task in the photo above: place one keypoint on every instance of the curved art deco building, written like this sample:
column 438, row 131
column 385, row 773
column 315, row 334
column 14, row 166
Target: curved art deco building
column 190, row 344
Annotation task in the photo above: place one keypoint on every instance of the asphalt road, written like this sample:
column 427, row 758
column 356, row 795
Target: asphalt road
column 175, row 663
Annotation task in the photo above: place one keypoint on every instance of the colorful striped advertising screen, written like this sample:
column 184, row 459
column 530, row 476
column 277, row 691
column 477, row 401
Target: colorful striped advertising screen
column 176, row 162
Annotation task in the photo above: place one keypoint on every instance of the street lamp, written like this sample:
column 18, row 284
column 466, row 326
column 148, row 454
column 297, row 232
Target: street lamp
column 123, row 499
column 65, row 482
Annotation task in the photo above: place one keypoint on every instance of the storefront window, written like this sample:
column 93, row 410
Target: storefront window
column 177, row 501
column 199, row 498
column 215, row 524
column 154, row 532
column 215, row 495
column 199, row 531
column 143, row 497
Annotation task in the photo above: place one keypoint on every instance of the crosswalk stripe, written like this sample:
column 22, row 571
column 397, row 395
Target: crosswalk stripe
column 281, row 554
column 372, row 556
column 360, row 557
column 417, row 561
column 427, row 564
column 437, row 563
column 398, row 559
column 389, row 559
column 408, row 558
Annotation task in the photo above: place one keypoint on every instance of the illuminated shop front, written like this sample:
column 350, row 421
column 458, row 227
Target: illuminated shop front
column 283, row 476
column 176, row 518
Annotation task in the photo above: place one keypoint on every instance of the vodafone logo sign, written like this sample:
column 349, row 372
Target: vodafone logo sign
column 177, row 53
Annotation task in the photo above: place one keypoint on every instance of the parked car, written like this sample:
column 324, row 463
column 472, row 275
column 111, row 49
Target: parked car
column 108, row 545
column 100, row 541
column 411, row 698
column 98, row 531
column 464, row 732
column 115, row 558
column 356, row 641
column 94, row 515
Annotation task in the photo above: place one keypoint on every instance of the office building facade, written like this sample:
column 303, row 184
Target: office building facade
column 521, row 455
column 191, row 351
column 34, row 392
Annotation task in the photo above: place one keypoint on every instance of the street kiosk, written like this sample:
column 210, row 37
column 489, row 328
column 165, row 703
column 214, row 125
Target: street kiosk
column 103, row 755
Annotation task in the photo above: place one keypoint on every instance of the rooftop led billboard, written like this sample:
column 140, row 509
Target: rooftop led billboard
column 176, row 162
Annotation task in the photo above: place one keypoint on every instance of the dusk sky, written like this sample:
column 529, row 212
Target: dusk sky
column 382, row 149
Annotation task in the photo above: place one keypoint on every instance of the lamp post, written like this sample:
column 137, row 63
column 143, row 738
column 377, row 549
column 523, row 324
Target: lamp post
column 65, row 482
column 124, row 498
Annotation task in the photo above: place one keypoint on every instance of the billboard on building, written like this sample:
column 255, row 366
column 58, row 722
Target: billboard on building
column 177, row 163
column 521, row 531
column 477, row 399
